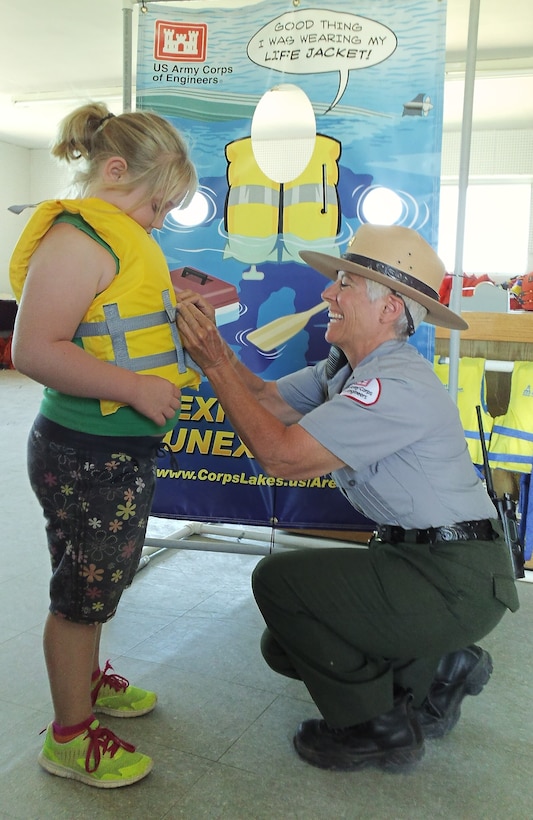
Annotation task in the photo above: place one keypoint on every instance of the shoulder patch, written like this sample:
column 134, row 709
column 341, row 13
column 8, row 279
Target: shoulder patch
column 364, row 392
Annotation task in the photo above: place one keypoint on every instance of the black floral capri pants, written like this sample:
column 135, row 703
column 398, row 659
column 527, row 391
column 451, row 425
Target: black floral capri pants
column 96, row 493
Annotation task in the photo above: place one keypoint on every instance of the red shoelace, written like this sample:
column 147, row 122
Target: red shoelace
column 116, row 682
column 102, row 741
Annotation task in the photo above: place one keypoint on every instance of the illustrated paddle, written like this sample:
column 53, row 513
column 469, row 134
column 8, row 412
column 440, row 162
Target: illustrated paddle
column 280, row 330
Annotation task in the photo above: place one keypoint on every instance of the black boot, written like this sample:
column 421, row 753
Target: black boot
column 392, row 741
column 458, row 674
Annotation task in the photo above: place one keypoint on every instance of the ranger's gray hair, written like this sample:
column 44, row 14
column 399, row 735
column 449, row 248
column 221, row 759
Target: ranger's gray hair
column 375, row 291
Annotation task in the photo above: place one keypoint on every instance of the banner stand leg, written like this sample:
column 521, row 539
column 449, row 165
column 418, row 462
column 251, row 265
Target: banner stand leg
column 464, row 168
column 127, row 57
column 197, row 535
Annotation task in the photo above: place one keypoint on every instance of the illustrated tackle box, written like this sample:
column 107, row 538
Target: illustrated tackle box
column 221, row 295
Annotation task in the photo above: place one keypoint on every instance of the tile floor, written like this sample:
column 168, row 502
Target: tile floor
column 221, row 734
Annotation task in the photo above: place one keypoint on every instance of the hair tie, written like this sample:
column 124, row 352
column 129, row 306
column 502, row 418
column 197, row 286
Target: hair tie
column 103, row 122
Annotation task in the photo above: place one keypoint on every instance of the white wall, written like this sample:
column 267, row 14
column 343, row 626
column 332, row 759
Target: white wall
column 28, row 176
column 15, row 173
column 49, row 177
column 32, row 175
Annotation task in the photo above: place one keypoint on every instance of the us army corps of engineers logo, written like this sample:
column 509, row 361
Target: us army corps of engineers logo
column 366, row 391
column 180, row 42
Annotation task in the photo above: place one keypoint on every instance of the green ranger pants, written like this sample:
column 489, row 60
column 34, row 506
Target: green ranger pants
column 357, row 624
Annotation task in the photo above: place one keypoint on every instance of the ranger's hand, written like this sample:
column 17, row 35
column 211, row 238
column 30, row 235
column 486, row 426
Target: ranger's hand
column 192, row 298
column 200, row 337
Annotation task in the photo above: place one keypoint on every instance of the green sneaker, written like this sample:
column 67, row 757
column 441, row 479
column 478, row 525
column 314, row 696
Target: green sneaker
column 113, row 695
column 97, row 757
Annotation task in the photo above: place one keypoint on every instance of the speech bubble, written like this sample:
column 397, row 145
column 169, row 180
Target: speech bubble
column 314, row 41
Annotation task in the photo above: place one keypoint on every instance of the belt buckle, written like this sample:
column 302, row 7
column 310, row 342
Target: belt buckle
column 448, row 534
column 455, row 532
column 384, row 534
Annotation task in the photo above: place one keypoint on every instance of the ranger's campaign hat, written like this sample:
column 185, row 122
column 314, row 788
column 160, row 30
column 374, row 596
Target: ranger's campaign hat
column 398, row 258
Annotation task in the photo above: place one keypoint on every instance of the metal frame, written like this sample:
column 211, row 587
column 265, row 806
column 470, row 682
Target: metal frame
column 262, row 540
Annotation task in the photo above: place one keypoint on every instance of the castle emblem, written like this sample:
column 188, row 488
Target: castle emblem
column 185, row 42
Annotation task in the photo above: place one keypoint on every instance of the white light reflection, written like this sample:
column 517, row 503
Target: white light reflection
column 382, row 206
column 200, row 210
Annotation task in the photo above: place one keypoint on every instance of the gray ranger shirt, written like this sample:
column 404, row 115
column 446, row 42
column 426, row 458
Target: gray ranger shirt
column 397, row 430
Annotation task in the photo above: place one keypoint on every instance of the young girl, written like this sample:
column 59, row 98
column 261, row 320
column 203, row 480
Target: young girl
column 96, row 326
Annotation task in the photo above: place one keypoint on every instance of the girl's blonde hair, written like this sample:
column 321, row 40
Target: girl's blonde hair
column 155, row 152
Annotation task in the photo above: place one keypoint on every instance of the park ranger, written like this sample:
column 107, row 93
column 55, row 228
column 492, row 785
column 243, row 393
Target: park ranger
column 384, row 638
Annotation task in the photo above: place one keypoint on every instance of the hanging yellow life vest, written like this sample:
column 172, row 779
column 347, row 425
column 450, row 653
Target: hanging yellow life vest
column 511, row 443
column 471, row 392
column 132, row 322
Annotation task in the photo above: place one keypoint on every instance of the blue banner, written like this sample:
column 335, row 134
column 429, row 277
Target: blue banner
column 373, row 85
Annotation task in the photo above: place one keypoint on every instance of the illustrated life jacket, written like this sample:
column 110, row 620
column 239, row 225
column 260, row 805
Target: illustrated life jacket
column 253, row 199
column 308, row 206
column 132, row 322
column 311, row 201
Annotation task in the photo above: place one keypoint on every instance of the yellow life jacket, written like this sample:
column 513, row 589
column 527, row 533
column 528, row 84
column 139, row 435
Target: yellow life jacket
column 132, row 322
column 511, row 443
column 471, row 392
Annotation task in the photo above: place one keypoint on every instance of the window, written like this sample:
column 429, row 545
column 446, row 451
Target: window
column 497, row 225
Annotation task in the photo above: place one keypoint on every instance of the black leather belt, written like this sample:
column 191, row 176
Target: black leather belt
column 463, row 531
